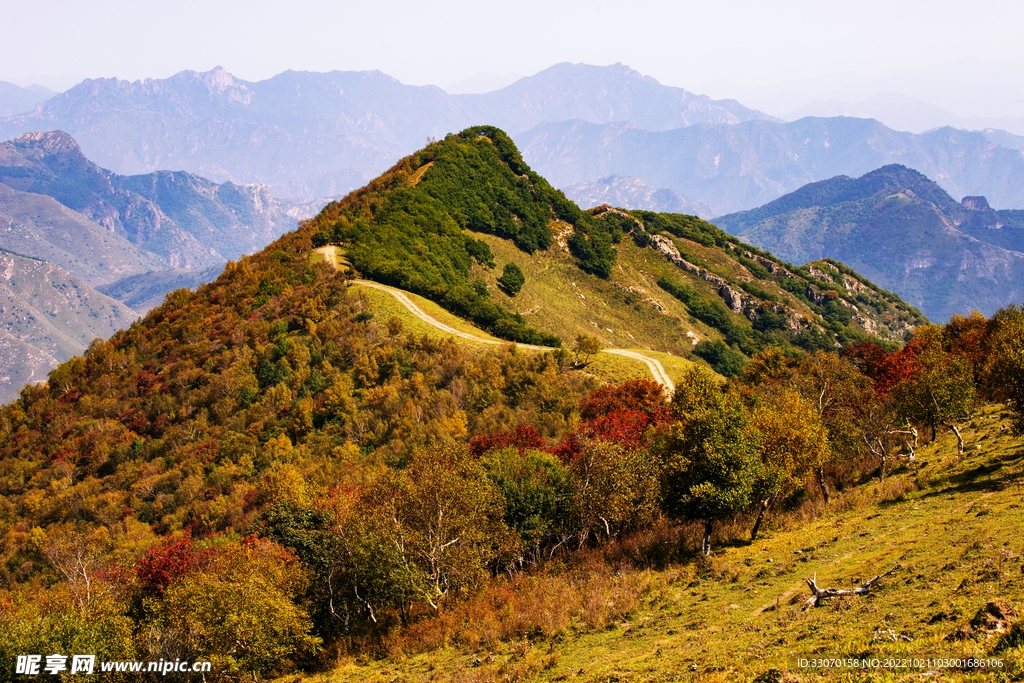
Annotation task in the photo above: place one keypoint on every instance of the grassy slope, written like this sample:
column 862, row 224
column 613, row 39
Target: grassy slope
column 622, row 312
column 607, row 367
column 952, row 527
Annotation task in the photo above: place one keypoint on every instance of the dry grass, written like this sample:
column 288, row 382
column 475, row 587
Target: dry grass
column 590, row 594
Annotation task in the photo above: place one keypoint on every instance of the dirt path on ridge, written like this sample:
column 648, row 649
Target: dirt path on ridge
column 657, row 369
column 655, row 366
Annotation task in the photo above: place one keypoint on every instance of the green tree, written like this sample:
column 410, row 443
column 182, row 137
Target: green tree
column 512, row 279
column 536, row 489
column 709, row 453
column 442, row 518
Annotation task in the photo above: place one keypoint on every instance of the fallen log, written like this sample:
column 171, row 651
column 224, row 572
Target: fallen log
column 819, row 594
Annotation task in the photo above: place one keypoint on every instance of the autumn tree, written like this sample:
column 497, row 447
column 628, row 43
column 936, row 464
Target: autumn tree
column 709, row 453
column 940, row 391
column 583, row 347
column 614, row 488
column 1004, row 369
column 240, row 613
column 442, row 521
column 793, row 445
column 636, row 394
column 842, row 396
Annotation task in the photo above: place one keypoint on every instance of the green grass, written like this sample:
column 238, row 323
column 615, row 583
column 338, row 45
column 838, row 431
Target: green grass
column 607, row 367
column 628, row 310
column 950, row 526
column 384, row 305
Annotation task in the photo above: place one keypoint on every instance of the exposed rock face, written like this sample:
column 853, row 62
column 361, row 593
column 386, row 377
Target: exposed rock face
column 738, row 302
column 769, row 265
column 976, row 203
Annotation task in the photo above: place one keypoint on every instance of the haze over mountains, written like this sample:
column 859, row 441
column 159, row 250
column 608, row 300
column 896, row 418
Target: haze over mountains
column 309, row 135
column 605, row 134
column 632, row 193
column 902, row 112
column 15, row 99
column 738, row 167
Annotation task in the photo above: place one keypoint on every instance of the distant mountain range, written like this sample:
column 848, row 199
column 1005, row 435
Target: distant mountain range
column 902, row 231
column 15, row 99
column 309, row 135
column 85, row 251
column 159, row 220
column 741, row 166
column 901, row 112
column 631, row 193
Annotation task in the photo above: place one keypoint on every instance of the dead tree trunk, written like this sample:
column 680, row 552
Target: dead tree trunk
column 819, row 594
column 820, row 473
column 760, row 518
column 959, row 440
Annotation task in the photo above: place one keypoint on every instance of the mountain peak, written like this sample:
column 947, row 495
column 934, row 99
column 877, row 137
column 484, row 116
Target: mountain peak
column 52, row 142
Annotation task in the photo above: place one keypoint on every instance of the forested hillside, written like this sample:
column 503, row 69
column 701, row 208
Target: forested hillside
column 269, row 475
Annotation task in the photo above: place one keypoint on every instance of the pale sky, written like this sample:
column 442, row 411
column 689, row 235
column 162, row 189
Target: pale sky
column 776, row 56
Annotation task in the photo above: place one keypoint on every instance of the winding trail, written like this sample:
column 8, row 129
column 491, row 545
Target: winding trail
column 656, row 368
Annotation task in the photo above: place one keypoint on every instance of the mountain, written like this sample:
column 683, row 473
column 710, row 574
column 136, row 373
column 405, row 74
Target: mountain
column 902, row 231
column 46, row 317
column 442, row 221
column 632, row 193
column 737, row 167
column 309, row 135
column 95, row 230
column 41, row 227
column 15, row 100
column 601, row 94
column 182, row 219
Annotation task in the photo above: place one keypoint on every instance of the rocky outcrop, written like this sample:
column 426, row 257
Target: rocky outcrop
column 769, row 265
column 738, row 302
column 976, row 203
